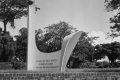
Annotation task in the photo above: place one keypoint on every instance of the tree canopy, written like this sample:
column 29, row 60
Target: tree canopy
column 114, row 5
column 50, row 40
column 111, row 50
column 13, row 9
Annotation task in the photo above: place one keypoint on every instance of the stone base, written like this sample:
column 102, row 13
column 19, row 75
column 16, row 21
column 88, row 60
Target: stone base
column 34, row 75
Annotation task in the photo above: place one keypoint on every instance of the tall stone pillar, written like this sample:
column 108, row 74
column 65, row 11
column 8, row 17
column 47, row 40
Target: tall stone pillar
column 37, row 60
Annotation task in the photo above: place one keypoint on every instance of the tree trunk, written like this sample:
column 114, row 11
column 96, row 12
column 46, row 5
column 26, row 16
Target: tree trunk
column 3, row 55
column 112, row 63
column 5, row 23
column 13, row 23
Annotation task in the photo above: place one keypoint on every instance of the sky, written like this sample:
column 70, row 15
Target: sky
column 85, row 15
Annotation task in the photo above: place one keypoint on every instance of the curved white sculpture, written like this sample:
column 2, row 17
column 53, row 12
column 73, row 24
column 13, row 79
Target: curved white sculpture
column 69, row 44
column 54, row 61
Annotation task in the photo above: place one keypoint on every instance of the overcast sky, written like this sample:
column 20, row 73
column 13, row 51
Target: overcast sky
column 85, row 15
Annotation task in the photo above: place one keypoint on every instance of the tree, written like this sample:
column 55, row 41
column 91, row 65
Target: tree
column 7, row 47
column 114, row 5
column 13, row 9
column 99, row 52
column 21, row 42
column 111, row 50
column 50, row 40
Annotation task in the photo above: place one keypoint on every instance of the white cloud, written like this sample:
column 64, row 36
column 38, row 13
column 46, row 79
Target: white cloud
column 102, row 37
column 116, row 39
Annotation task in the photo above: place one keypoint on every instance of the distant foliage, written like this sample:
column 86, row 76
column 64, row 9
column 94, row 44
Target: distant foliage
column 103, row 64
column 111, row 50
column 7, row 47
column 21, row 45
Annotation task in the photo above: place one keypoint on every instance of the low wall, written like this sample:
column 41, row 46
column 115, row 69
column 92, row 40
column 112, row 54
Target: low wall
column 35, row 75
column 72, row 74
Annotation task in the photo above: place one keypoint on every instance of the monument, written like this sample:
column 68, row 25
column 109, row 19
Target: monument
column 43, row 61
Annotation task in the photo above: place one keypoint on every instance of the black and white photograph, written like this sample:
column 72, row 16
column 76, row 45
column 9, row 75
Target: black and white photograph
column 59, row 35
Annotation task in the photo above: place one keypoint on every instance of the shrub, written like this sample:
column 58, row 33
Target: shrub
column 88, row 64
column 103, row 64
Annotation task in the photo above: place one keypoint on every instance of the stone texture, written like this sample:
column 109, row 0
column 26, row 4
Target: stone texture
column 32, row 75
